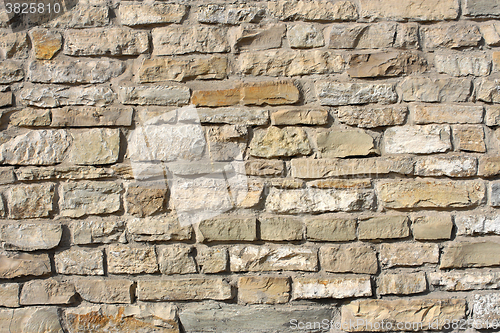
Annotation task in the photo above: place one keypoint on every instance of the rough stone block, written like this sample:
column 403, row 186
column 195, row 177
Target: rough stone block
column 31, row 319
column 280, row 228
column 337, row 287
column 408, row 254
column 174, row 259
column 31, row 117
column 459, row 65
column 13, row 45
column 458, row 281
column 30, row 236
column 447, row 114
column 263, row 289
column 9, row 295
column 87, row 116
column 423, row 89
column 85, row 15
column 470, row 254
column 154, row 95
column 133, row 14
column 313, row 10
column 80, row 261
column 89, row 198
column 432, row 227
column 330, row 229
column 352, row 258
column 450, row 165
column 230, row 228
column 95, row 146
column 158, row 228
column 425, row 139
column 183, row 289
column 450, row 35
column 469, row 138
column 251, row 38
column 49, row 291
column 345, row 143
column 46, row 43
column 401, row 284
column 30, row 201
column 145, row 198
column 229, row 14
column 11, row 71
column 477, row 224
column 427, row 10
column 386, row 64
column 14, row 265
column 277, row 142
column 385, row 227
column 481, row 8
column 299, row 117
column 489, row 165
column 212, row 259
column 124, row 259
column 100, row 290
column 492, row 116
column 170, row 68
column 97, row 230
column 336, row 93
column 304, row 36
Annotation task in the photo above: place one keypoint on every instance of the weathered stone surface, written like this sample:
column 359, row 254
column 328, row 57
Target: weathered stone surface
column 374, row 36
column 304, row 36
column 181, row 40
column 49, row 291
column 146, row 317
column 47, row 96
column 125, row 259
column 469, row 138
column 280, row 228
column 29, row 117
column 459, row 65
column 487, row 90
column 62, row 172
column 432, row 227
column 489, row 166
column 212, row 259
column 133, row 14
column 401, row 284
column 485, row 308
column 164, row 69
column 30, row 201
column 14, row 265
column 229, row 14
column 80, row 261
column 46, row 43
column 386, row 64
column 408, row 254
column 426, row 139
column 449, row 114
column 154, row 95
column 92, row 116
column 32, row 319
column 7, row 175
column 432, row 193
column 291, row 10
column 330, row 229
column 386, row 227
column 231, row 115
column 10, row 71
column 470, row 254
column 233, row 318
column 183, row 289
column 95, row 146
column 9, row 295
column 495, row 194
column 277, row 142
column 477, row 224
column 145, row 198
column 88, row 198
column 458, row 281
column 97, row 230
column 100, row 290
column 252, row 258
column 346, row 36
column 290, row 63
column 346, row 258
column 372, row 116
column 272, row 93
column 263, row 289
column 411, row 10
column 492, row 116
column 481, row 8
column 258, row 38
column 30, row 236
column 313, row 200
column 224, row 97
column 336, row 287
column 336, row 93
column 299, row 117
column 450, row 35
column 6, row 99
column 436, row 90
column 323, row 168
column 85, row 15
column 229, row 228
column 158, row 228
column 345, row 143
column 174, row 259
column 407, row 36
column 43, row 147
column 112, row 41
column 451, row 166
column 74, row 71
column 490, row 31
column 13, row 45
column 421, row 311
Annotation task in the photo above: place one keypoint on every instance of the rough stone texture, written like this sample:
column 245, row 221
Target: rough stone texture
column 258, row 38
column 145, row 198
column 401, row 284
column 91, row 116
column 313, row 10
column 424, row 311
column 304, row 36
column 372, row 116
column 233, row 115
column 492, row 116
column 175, row 260
column 5, row 99
column 436, row 90
column 112, row 41
column 80, row 261
column 468, row 225
column 470, row 254
column 229, row 14
column 9, row 293
column 485, row 307
column 447, row 114
column 95, row 146
column 86, row 15
column 30, row 236
column 13, row 45
column 433, row 193
column 495, row 194
column 89, row 198
column 280, row 228
column 31, row 117
column 489, row 30
column 183, row 289
column 154, row 95
column 451, row 166
column 46, row 43
column 212, row 259
column 458, row 281
column 344, row 143
column 299, row 117
column 481, row 8
column 386, row 64
column 46, row 96
column 32, row 319
column 228, row 229
column 49, row 291
column 133, row 14
column 409, row 10
column 14, row 265
column 164, row 69
column 335, row 93
column 408, row 254
column 11, row 71
column 124, row 259
column 275, row 142
column 487, row 90
column 349, row 259
column 425, row 139
column 387, row 227
column 469, row 138
column 251, row 258
column 100, row 290
column 489, row 166
column 450, row 35
column 158, row 228
column 333, row 287
column 432, row 227
column 263, row 289
column 457, row 65
column 30, row 201
column 96, row 230
column 330, row 229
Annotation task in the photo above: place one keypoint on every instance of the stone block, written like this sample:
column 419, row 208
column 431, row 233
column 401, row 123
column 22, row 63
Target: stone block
column 80, row 261
column 124, row 259
column 408, row 254
column 263, row 289
column 89, row 198
column 349, row 258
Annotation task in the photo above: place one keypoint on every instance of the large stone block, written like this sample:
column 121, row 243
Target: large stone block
column 423, row 89
column 477, row 224
column 345, row 143
column 372, row 116
column 80, row 261
column 305, row 36
column 254, row 38
column 336, row 93
column 229, row 14
column 386, row 64
column 87, row 116
column 481, row 8
column 408, row 254
column 432, row 227
column 487, row 90
column 10, row 71
column 30, row 201
column 124, row 259
column 450, row 35
column 263, row 289
column 278, row 142
column 14, row 265
column 427, row 10
column 9, row 293
column 154, row 95
column 95, row 146
column 330, row 229
column 212, row 259
column 425, row 139
column 336, row 287
column 459, row 65
column 230, row 228
column 48, row 96
column 158, row 228
column 13, row 45
column 31, row 117
column 100, row 290
column 470, row 254
column 174, row 259
column 349, row 258
column 46, row 43
column 85, row 15
column 133, row 14
column 89, row 198
column 386, row 227
column 401, row 284
column 164, row 69
column 447, row 114
column 30, row 236
column 49, row 291
column 469, row 138
column 31, row 319
column 299, row 117
column 451, row 166
column 183, row 289
column 145, row 198
column 459, row 281
column 233, row 115
column 313, row 10
column 97, row 230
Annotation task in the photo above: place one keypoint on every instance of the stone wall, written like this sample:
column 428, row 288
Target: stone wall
column 198, row 166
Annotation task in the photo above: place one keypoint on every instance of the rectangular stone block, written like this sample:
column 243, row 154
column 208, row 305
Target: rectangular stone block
column 49, row 96
column 458, row 281
column 477, row 224
column 345, row 143
column 9, row 295
column 489, row 165
column 49, row 291
column 385, row 227
column 89, row 198
column 13, row 45
column 6, row 99
column 233, row 115
column 349, row 258
column 313, row 10
column 10, row 71
column 386, row 64
column 432, row 227
column 101, row 290
column 229, row 14
column 279, row 142
column 371, row 116
column 80, row 261
column 423, row 89
column 410, row 10
column 401, row 284
column 92, row 116
column 154, row 95
column 487, row 90
column 450, row 165
column 85, row 15
column 124, row 259
column 299, row 117
column 16, row 264
column 447, row 114
column 97, row 230
column 492, row 116
column 459, row 65
column 183, row 289
column 255, row 38
column 212, row 259
column 272, row 93
column 170, row 68
column 481, row 8
column 327, row 228
column 280, row 228
column 105, row 41
column 336, row 287
column 95, row 146
column 450, row 35
column 469, row 138
column 470, row 254
column 30, row 201
column 181, row 40
column 31, row 117
column 158, row 228
column 408, row 254
column 313, row 200
column 175, row 259
column 251, row 258
column 264, row 168
column 30, row 236
column 263, row 289
column 337, row 93
column 401, row 194
column 137, row 14
column 341, row 184
column 485, row 308
column 228, row 229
